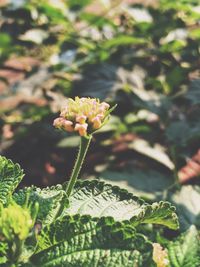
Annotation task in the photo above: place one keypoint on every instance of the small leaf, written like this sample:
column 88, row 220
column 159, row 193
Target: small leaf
column 99, row 199
column 185, row 251
column 50, row 199
column 85, row 241
column 10, row 176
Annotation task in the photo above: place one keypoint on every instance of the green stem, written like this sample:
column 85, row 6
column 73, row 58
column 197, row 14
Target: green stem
column 84, row 145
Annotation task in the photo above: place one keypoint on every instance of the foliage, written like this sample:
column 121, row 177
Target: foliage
column 10, row 176
column 185, row 250
column 145, row 59
column 98, row 227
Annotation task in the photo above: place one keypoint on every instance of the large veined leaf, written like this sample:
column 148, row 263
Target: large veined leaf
column 85, row 241
column 10, row 176
column 50, row 199
column 99, row 199
column 186, row 201
column 185, row 251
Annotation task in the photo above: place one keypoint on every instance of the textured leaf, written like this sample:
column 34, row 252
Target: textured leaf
column 83, row 241
column 185, row 251
column 186, row 201
column 99, row 199
column 10, row 176
column 50, row 200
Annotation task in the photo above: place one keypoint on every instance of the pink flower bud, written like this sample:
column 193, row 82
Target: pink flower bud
column 81, row 128
column 104, row 105
column 64, row 124
column 67, row 126
column 58, row 122
column 96, row 122
column 81, row 119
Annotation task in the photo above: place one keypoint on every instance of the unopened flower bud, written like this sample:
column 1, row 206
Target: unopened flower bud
column 81, row 119
column 96, row 122
column 67, row 126
column 58, row 122
column 81, row 128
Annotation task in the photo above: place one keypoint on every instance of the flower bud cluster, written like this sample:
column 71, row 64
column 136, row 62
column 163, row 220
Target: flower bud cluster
column 82, row 115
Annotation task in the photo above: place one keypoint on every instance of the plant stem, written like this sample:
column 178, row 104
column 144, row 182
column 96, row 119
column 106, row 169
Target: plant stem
column 83, row 148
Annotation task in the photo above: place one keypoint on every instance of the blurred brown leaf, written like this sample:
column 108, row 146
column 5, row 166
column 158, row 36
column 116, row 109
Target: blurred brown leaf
column 191, row 169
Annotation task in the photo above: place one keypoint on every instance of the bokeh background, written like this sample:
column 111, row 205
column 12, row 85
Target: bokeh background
column 142, row 55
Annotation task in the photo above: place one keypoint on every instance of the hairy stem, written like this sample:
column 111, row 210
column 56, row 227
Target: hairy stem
column 84, row 145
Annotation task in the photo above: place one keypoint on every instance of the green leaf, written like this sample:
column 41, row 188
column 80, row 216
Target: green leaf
column 77, row 5
column 123, row 40
column 50, row 199
column 181, row 132
column 185, row 251
column 193, row 93
column 186, row 201
column 3, row 252
column 10, row 176
column 85, row 241
column 99, row 199
column 71, row 141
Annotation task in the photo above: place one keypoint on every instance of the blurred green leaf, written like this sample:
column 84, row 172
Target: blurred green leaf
column 193, row 93
column 188, row 210
column 77, row 4
column 123, row 40
column 72, row 141
column 144, row 183
column 181, row 132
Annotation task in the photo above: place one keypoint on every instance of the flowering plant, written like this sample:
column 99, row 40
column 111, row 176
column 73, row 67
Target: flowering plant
column 84, row 115
column 80, row 223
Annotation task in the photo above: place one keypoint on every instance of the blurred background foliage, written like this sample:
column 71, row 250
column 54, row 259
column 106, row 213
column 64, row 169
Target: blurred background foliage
column 142, row 55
